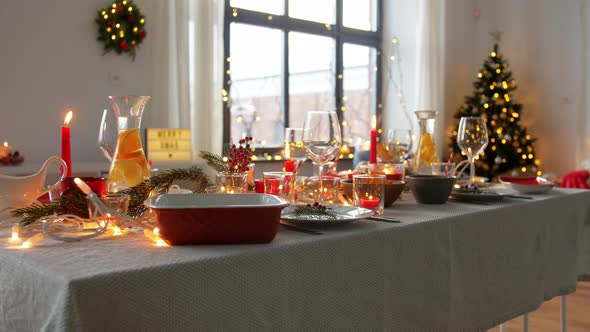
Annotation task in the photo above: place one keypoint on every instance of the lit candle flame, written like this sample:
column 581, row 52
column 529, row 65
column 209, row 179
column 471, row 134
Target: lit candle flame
column 374, row 122
column 68, row 118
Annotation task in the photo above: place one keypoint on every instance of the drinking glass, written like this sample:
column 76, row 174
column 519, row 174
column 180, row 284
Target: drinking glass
column 472, row 138
column 399, row 144
column 294, row 147
column 321, row 139
column 108, row 134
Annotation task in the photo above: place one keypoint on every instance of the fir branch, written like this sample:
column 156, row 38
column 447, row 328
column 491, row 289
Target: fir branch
column 160, row 183
column 215, row 161
column 314, row 210
column 70, row 204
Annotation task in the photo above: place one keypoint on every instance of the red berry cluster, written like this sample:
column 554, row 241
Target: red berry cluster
column 240, row 156
column 317, row 205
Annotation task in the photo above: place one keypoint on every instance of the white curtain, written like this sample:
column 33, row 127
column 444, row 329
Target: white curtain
column 431, row 60
column 414, row 79
column 187, row 70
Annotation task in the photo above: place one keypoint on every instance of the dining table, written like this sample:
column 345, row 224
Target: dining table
column 450, row 267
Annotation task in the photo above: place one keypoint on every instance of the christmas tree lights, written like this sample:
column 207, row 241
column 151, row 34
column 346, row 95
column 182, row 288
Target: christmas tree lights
column 510, row 146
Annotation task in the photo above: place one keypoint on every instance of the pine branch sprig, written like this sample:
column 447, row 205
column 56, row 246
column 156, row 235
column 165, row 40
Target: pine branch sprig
column 159, row 184
column 314, row 210
column 215, row 161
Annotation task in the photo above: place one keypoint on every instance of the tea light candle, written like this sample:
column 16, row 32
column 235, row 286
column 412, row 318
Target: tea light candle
column 66, row 148
column 259, row 186
column 370, row 202
column 5, row 150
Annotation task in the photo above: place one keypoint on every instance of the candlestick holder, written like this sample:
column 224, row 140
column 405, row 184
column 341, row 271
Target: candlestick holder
column 369, row 192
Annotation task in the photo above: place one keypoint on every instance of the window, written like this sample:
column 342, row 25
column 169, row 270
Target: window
column 286, row 57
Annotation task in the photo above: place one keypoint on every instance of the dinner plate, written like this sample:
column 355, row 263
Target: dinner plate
column 528, row 185
column 482, row 195
column 344, row 215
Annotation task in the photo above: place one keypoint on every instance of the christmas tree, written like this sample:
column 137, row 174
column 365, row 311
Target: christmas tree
column 510, row 146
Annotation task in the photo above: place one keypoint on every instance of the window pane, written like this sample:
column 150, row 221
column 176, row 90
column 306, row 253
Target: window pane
column 311, row 75
column 255, row 92
column 360, row 14
column 359, row 93
column 265, row 6
column 323, row 11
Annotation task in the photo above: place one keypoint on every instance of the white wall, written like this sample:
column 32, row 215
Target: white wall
column 546, row 45
column 50, row 60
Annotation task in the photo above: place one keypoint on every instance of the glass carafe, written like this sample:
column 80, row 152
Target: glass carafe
column 129, row 166
column 426, row 153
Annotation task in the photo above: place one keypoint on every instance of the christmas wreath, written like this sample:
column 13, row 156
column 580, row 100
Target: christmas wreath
column 121, row 27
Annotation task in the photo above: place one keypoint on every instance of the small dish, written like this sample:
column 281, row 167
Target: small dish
column 528, row 185
column 217, row 218
column 483, row 195
column 344, row 215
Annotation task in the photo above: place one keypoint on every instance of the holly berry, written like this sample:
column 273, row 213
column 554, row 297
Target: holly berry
column 123, row 45
column 142, row 34
column 131, row 19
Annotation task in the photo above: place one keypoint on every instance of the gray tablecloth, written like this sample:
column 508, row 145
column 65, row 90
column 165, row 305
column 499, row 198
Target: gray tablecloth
column 449, row 267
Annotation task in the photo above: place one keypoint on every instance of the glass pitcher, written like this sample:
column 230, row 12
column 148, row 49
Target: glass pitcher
column 426, row 153
column 129, row 166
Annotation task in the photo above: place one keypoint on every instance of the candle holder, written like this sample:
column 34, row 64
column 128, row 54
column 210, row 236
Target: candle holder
column 392, row 171
column 279, row 184
column 231, row 182
column 369, row 192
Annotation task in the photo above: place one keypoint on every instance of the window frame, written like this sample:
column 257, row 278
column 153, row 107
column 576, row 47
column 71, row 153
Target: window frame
column 341, row 35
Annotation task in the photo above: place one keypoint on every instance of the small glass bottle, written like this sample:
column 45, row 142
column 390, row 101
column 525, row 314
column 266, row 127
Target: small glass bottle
column 426, row 153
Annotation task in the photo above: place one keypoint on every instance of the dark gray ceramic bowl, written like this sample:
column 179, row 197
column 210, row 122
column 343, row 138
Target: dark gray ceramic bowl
column 393, row 190
column 431, row 189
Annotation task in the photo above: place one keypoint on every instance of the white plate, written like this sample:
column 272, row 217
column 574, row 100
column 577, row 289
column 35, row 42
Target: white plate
column 528, row 185
column 344, row 215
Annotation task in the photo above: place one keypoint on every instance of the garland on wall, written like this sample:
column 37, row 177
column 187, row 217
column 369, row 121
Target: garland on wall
column 121, row 27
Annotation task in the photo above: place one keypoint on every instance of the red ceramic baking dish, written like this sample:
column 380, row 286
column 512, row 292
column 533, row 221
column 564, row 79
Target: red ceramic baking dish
column 217, row 218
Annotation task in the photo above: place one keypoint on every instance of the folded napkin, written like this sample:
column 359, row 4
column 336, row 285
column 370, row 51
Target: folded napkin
column 576, row 179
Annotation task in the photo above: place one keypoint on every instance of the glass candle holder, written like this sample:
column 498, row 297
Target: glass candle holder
column 278, row 183
column 116, row 201
column 231, row 183
column 96, row 183
column 329, row 191
column 392, row 171
column 369, row 192
column 445, row 169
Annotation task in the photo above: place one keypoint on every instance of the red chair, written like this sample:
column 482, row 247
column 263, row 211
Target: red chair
column 576, row 179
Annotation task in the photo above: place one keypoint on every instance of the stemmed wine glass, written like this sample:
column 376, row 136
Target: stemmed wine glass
column 108, row 134
column 399, row 143
column 472, row 138
column 294, row 146
column 321, row 140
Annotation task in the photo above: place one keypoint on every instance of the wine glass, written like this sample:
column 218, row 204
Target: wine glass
column 472, row 138
column 321, row 140
column 294, row 146
column 399, row 143
column 108, row 134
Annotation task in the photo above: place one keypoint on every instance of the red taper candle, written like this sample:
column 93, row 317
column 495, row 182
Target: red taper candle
column 373, row 152
column 66, row 147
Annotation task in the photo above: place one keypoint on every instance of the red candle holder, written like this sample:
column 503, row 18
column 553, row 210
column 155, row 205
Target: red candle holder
column 97, row 184
column 369, row 192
